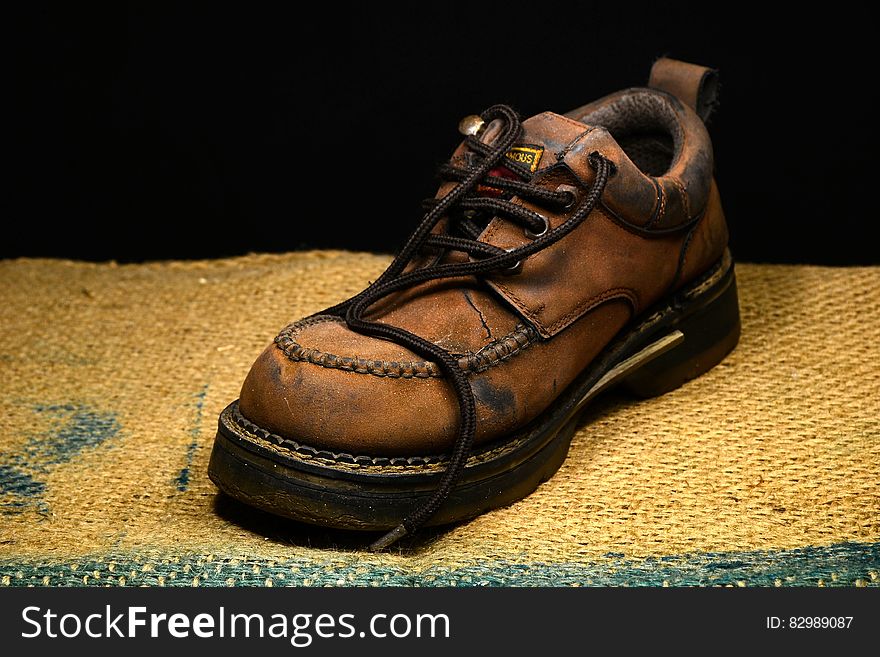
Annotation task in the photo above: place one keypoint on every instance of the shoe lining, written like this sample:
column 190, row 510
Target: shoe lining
column 645, row 125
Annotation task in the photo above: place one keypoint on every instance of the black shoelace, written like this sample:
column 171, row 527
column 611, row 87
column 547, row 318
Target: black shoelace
column 461, row 205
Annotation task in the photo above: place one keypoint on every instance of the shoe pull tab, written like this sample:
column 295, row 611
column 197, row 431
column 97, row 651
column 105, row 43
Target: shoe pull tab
column 692, row 84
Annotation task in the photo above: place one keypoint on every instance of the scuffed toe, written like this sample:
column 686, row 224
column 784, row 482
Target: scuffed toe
column 325, row 386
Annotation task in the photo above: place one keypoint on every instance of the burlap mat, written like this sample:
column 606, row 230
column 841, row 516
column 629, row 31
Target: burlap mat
column 764, row 471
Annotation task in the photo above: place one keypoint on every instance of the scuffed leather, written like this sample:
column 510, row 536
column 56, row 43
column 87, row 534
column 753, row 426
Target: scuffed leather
column 332, row 388
column 363, row 413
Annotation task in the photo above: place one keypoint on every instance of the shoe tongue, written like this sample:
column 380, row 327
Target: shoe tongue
column 544, row 136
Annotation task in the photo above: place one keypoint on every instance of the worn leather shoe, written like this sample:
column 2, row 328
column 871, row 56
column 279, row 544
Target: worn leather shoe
column 562, row 255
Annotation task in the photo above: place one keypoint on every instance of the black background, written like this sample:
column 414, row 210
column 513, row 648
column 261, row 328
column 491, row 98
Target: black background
column 148, row 132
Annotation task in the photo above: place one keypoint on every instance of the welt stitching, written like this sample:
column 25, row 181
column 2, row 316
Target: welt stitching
column 710, row 278
column 307, row 452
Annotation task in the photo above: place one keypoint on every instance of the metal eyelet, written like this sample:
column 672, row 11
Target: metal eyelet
column 571, row 191
column 515, row 268
column 533, row 235
column 593, row 158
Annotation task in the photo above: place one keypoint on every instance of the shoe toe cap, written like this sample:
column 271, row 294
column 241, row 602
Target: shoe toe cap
column 313, row 386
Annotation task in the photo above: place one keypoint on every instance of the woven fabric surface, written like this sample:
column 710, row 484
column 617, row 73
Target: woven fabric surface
column 764, row 471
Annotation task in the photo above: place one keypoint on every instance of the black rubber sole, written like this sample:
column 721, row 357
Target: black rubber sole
column 679, row 340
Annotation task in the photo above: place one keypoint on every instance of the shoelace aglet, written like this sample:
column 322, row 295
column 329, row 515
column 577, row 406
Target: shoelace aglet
column 388, row 539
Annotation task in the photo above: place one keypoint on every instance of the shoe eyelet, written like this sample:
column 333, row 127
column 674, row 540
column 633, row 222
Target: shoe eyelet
column 533, row 235
column 595, row 156
column 573, row 192
column 515, row 268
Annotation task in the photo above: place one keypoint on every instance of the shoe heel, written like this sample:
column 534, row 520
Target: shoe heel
column 711, row 331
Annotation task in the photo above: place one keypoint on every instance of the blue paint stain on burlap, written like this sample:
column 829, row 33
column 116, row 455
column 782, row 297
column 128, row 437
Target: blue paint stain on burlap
column 182, row 480
column 13, row 481
column 841, row 564
column 79, row 428
column 73, row 429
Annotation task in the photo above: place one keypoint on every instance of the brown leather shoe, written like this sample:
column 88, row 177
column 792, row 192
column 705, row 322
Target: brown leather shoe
column 563, row 255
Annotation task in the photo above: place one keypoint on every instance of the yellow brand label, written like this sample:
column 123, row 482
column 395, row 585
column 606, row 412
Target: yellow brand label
column 528, row 156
